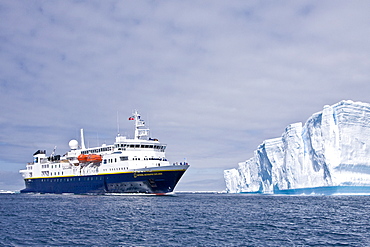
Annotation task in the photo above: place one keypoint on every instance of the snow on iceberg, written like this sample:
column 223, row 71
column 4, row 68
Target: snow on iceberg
column 332, row 150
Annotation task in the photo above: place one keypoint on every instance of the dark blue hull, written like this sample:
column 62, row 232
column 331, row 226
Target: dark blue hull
column 157, row 182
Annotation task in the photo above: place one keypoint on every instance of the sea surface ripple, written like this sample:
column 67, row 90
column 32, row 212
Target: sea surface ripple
column 184, row 220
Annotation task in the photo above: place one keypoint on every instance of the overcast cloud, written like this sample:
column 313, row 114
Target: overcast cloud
column 212, row 78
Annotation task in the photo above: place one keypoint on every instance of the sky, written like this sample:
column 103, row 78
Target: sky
column 212, row 79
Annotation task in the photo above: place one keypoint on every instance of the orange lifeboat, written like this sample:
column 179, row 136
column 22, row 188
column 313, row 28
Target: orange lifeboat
column 82, row 158
column 94, row 158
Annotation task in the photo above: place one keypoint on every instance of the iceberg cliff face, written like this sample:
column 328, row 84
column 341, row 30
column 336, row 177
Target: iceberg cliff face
column 331, row 149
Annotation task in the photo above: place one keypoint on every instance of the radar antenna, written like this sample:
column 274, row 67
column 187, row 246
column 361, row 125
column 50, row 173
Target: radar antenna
column 53, row 153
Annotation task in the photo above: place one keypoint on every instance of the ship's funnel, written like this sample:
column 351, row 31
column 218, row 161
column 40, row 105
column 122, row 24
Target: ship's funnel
column 82, row 139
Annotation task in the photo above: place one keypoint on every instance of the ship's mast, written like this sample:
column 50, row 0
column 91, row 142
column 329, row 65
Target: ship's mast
column 140, row 131
column 82, row 139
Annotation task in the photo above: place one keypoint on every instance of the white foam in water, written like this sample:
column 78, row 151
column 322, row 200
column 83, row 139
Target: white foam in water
column 331, row 149
column 8, row 192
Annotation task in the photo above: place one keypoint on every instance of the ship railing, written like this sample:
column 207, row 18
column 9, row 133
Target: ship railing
column 25, row 173
column 180, row 164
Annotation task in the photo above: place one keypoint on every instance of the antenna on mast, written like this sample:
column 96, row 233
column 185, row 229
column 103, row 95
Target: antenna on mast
column 117, row 124
column 53, row 153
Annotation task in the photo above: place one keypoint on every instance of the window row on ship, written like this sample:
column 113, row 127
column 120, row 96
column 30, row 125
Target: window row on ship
column 97, row 150
column 115, row 169
column 105, row 161
column 52, row 166
column 71, row 179
column 45, row 166
column 160, row 147
column 123, row 147
column 124, row 158
column 47, row 173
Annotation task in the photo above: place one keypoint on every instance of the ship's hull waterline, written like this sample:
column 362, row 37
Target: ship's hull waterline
column 147, row 182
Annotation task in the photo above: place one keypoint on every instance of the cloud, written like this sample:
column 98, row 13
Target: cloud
column 213, row 78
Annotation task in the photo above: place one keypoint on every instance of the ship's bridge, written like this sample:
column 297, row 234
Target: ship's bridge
column 139, row 144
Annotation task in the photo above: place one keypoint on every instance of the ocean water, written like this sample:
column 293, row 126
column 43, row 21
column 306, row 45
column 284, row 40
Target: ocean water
column 184, row 220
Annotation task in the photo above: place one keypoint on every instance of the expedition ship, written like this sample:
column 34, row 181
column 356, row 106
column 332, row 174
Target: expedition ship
column 135, row 165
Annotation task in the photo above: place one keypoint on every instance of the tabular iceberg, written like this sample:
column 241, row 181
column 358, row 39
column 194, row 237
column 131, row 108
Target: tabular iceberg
column 330, row 153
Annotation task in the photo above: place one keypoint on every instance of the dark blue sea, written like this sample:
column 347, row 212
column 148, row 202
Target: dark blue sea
column 184, row 220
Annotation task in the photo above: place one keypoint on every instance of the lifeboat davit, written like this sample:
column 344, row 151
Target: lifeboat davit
column 82, row 158
column 94, row 158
